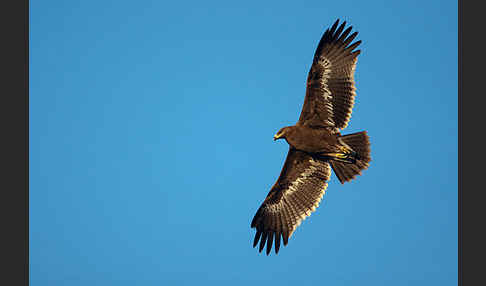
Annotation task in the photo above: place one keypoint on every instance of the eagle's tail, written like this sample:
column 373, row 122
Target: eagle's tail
column 360, row 143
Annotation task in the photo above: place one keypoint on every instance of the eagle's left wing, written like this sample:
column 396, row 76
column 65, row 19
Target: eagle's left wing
column 296, row 194
column 330, row 92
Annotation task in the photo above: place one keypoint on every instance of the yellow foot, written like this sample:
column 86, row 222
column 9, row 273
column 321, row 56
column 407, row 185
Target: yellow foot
column 335, row 155
column 345, row 150
column 348, row 156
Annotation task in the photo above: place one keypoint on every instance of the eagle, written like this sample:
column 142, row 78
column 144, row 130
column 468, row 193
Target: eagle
column 315, row 143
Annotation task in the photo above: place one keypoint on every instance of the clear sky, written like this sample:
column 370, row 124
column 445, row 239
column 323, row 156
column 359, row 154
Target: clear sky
column 151, row 126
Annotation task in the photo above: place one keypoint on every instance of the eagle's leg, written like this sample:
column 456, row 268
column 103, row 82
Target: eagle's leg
column 347, row 156
column 341, row 157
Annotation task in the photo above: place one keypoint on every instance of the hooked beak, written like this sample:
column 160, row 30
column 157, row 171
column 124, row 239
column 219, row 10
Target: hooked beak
column 275, row 137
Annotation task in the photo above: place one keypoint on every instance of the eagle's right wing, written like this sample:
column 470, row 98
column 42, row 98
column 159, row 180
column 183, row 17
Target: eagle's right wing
column 296, row 194
column 330, row 92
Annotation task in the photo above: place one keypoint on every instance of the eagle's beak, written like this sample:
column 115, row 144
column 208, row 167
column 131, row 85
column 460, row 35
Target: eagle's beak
column 276, row 136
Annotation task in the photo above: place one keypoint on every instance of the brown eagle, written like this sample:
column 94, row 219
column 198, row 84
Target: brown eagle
column 315, row 142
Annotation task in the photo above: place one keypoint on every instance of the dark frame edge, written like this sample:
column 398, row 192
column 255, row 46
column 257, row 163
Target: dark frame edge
column 27, row 62
column 14, row 102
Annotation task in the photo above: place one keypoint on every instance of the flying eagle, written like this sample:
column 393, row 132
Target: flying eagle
column 315, row 142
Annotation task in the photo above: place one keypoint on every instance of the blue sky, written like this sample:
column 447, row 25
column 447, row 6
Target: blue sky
column 151, row 126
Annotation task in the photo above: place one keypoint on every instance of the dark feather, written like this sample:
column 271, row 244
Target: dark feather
column 285, row 237
column 257, row 237
column 277, row 242
column 350, row 39
column 262, row 241
column 345, row 34
column 339, row 30
column 269, row 242
column 334, row 26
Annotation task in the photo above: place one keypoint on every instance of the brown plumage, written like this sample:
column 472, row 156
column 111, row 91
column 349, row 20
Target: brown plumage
column 315, row 141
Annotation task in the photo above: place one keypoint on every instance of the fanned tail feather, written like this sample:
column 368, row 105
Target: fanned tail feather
column 360, row 143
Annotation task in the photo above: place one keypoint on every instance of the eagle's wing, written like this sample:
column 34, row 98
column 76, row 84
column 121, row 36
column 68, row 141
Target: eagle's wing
column 330, row 92
column 294, row 196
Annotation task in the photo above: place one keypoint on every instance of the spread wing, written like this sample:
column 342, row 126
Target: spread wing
column 330, row 92
column 296, row 194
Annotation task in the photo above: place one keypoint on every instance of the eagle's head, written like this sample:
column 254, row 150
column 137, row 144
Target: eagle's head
column 282, row 133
